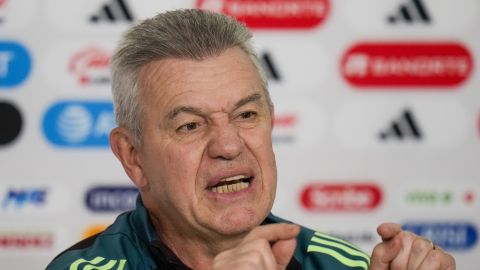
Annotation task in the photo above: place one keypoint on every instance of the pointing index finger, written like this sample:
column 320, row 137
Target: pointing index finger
column 388, row 230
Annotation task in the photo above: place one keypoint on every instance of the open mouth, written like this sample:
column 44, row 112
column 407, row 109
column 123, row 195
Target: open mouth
column 232, row 184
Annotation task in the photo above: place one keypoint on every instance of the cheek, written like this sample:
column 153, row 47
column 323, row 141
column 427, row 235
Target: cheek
column 183, row 163
column 260, row 144
column 258, row 137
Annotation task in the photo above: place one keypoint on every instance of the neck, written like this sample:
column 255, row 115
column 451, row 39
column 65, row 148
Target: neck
column 195, row 250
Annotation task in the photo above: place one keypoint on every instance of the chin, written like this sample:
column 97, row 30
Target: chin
column 240, row 221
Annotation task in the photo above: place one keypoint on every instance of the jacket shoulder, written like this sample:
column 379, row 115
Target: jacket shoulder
column 116, row 248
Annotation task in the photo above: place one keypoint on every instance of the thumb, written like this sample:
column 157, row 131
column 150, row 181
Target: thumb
column 283, row 251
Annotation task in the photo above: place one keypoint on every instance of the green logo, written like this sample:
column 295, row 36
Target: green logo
column 430, row 197
column 94, row 264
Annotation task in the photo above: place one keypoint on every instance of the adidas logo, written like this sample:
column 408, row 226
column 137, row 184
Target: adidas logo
column 410, row 12
column 115, row 10
column 405, row 127
column 269, row 67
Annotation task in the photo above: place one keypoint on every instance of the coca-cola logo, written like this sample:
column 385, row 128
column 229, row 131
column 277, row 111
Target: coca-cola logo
column 341, row 197
column 407, row 64
column 270, row 14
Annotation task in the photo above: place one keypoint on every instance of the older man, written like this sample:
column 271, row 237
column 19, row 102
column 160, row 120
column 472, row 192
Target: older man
column 195, row 122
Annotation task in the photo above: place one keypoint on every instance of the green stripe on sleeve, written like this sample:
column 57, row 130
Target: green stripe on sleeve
column 329, row 237
column 345, row 248
column 339, row 257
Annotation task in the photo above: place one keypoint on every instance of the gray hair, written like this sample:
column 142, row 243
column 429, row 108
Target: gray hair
column 185, row 34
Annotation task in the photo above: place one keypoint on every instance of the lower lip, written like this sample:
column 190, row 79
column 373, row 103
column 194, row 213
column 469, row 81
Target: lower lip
column 241, row 194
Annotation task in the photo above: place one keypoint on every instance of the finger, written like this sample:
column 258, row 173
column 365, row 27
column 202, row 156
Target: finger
column 384, row 253
column 283, row 251
column 261, row 252
column 419, row 251
column 254, row 254
column 388, row 230
column 274, row 232
column 437, row 259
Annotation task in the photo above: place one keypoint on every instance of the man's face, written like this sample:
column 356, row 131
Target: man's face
column 207, row 151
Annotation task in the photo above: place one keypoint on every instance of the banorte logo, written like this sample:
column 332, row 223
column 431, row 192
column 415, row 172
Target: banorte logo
column 271, row 14
column 341, row 197
column 90, row 66
column 427, row 64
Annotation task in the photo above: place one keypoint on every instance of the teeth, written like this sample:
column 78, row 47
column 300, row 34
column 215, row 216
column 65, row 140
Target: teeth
column 230, row 187
column 233, row 178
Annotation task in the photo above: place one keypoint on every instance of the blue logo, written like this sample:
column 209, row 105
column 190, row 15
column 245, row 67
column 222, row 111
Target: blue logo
column 111, row 199
column 451, row 236
column 15, row 64
column 79, row 123
column 19, row 198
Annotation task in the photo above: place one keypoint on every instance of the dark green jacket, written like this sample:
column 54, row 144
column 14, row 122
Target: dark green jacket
column 131, row 243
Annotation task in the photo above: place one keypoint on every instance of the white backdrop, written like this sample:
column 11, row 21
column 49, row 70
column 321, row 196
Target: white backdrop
column 377, row 118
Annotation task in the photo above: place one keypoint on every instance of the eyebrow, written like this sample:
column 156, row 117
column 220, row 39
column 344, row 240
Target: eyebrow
column 256, row 97
column 185, row 109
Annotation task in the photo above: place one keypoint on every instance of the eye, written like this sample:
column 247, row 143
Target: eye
column 188, row 127
column 248, row 115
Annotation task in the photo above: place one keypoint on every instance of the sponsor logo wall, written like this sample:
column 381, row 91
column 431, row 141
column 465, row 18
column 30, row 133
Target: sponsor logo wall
column 377, row 118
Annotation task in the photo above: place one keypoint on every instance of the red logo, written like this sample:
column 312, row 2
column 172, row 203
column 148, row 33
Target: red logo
column 90, row 66
column 271, row 14
column 469, row 197
column 341, row 197
column 285, row 121
column 479, row 124
column 407, row 64
column 26, row 240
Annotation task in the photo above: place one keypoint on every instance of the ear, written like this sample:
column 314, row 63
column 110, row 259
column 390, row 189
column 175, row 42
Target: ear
column 122, row 145
column 272, row 115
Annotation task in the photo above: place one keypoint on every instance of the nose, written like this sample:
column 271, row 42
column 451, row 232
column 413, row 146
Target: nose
column 225, row 142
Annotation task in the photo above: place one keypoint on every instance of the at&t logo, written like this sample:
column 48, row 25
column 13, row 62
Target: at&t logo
column 15, row 64
column 79, row 124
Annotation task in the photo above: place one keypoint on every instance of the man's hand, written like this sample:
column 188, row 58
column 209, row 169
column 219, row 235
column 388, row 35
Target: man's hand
column 402, row 250
column 268, row 247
